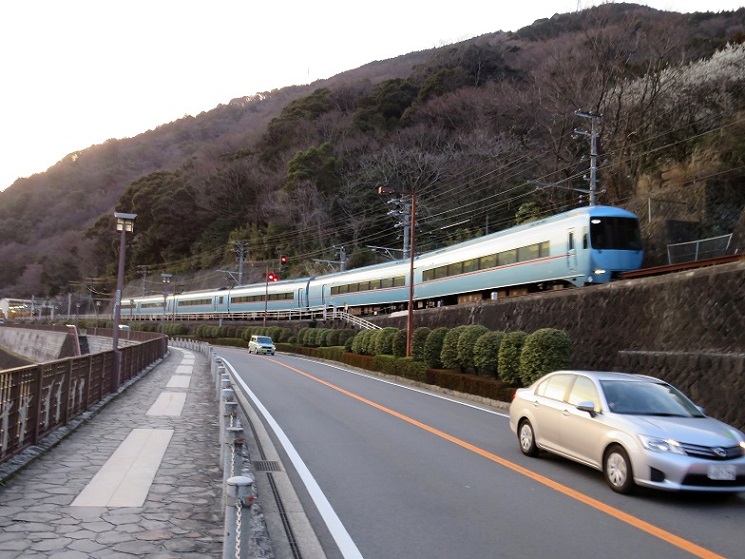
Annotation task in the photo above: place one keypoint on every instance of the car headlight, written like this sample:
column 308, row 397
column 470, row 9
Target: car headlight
column 655, row 444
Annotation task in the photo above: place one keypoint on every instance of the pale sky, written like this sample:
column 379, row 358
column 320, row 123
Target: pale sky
column 77, row 72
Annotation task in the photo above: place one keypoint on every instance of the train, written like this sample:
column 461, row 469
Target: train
column 583, row 246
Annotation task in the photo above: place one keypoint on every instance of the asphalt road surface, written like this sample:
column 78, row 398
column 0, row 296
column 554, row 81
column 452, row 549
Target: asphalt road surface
column 389, row 471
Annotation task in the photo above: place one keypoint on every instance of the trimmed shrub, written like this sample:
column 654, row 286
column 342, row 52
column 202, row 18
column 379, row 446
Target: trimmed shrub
column 433, row 347
column 348, row 343
column 283, row 335
column 356, row 345
column 346, row 334
column 545, row 350
column 418, row 339
column 301, row 335
column 322, row 338
column 368, row 342
column 486, row 354
column 449, row 355
column 383, row 341
column 399, row 344
column 332, row 339
column 509, row 357
column 466, row 343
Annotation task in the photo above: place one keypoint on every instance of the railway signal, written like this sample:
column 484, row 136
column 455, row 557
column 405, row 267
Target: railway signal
column 272, row 277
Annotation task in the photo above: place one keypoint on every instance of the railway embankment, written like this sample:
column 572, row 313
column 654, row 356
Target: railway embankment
column 687, row 328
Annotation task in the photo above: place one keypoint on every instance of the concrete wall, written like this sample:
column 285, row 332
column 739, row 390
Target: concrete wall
column 37, row 345
column 688, row 328
column 45, row 345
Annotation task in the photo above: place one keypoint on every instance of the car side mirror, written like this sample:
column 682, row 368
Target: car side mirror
column 589, row 407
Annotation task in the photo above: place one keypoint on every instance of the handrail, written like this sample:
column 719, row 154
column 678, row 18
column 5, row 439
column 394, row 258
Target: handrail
column 37, row 399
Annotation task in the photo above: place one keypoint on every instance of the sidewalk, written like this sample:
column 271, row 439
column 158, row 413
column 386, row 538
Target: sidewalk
column 104, row 491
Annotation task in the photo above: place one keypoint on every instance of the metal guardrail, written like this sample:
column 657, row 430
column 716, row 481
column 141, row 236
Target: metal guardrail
column 38, row 399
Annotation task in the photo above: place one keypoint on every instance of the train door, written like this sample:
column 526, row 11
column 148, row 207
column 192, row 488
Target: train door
column 571, row 250
column 300, row 298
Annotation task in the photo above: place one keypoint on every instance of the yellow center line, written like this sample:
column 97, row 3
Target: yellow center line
column 651, row 529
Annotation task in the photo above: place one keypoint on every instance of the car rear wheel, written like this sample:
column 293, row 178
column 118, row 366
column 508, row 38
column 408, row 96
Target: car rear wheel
column 526, row 436
column 617, row 470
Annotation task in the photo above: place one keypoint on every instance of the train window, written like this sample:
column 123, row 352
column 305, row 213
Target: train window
column 428, row 275
column 545, row 248
column 527, row 253
column 455, row 269
column 386, row 283
column 507, row 257
column 470, row 265
column 363, row 286
column 375, row 284
column 441, row 272
column 619, row 233
column 571, row 240
column 399, row 281
column 487, row 262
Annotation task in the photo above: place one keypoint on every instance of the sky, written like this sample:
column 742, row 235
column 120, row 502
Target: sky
column 76, row 73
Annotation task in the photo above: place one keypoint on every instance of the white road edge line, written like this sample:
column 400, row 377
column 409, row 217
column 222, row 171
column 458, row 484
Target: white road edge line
column 336, row 528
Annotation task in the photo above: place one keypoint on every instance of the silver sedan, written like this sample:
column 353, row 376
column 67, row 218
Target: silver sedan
column 637, row 430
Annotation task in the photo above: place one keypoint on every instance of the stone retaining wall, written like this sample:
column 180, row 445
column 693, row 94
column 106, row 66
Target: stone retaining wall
column 687, row 328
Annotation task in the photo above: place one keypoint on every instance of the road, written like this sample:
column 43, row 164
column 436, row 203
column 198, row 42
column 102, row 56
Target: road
column 389, row 471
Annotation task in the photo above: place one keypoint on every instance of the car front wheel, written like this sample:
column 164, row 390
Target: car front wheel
column 526, row 436
column 617, row 470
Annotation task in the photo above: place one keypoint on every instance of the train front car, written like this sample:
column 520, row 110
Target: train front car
column 580, row 247
column 614, row 244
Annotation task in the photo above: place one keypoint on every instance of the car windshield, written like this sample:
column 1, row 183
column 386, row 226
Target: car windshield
column 263, row 340
column 647, row 398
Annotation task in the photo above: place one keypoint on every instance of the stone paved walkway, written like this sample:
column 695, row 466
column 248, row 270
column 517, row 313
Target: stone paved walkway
column 182, row 516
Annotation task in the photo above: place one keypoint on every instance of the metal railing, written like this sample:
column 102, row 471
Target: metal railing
column 38, row 399
column 701, row 249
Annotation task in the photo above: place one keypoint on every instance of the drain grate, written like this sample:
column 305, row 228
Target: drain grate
column 267, row 466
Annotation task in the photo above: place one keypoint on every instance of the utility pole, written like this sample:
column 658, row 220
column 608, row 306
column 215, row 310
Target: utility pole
column 342, row 252
column 241, row 250
column 402, row 210
column 143, row 270
column 594, row 135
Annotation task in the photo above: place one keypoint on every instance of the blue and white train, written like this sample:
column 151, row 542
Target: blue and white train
column 584, row 246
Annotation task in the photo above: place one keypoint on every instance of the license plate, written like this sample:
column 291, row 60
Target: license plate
column 722, row 472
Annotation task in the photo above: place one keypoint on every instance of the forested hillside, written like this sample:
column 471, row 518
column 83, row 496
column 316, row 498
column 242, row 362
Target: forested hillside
column 485, row 132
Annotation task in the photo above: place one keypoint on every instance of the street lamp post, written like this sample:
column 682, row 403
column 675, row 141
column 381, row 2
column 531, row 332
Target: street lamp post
column 124, row 223
column 411, row 251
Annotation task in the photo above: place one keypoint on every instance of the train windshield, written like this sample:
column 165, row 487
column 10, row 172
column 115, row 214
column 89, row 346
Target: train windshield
column 615, row 233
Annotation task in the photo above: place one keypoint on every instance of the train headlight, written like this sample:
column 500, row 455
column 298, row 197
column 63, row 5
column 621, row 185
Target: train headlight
column 598, row 272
